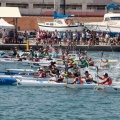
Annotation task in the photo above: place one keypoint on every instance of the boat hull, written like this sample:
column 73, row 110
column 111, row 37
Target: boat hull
column 103, row 28
column 60, row 28
column 81, row 86
column 113, row 89
column 8, row 81
column 40, row 83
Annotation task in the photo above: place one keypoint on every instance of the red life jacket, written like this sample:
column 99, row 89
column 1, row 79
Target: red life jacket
column 109, row 81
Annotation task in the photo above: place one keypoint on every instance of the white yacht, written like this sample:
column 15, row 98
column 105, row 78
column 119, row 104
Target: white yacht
column 110, row 23
column 61, row 23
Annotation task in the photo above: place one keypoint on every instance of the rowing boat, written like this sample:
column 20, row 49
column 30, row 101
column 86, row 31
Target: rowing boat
column 82, row 86
column 7, row 80
column 20, row 70
column 40, row 83
column 114, row 89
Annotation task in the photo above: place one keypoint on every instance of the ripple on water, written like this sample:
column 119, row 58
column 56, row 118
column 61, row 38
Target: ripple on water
column 48, row 103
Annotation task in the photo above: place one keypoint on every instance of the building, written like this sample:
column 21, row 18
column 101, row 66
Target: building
column 46, row 7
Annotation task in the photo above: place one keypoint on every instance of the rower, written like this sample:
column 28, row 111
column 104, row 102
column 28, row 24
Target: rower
column 84, row 63
column 90, row 62
column 40, row 73
column 88, row 77
column 71, row 63
column 36, row 59
column 106, row 79
column 77, row 79
column 58, row 77
column 105, row 63
column 83, row 56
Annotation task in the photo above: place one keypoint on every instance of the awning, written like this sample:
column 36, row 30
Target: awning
column 4, row 24
column 9, row 12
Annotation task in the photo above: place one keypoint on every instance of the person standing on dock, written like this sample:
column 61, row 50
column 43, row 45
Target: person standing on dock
column 4, row 34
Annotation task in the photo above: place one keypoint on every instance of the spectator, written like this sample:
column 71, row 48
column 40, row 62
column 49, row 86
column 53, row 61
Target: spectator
column 20, row 38
column 4, row 34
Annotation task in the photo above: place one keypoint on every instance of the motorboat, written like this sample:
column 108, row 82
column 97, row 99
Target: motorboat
column 110, row 23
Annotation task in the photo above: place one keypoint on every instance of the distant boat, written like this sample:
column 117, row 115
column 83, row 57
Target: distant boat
column 61, row 23
column 110, row 24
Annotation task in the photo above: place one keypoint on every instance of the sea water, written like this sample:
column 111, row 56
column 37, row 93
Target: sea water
column 59, row 103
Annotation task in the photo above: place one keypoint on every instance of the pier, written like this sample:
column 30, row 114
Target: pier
column 100, row 47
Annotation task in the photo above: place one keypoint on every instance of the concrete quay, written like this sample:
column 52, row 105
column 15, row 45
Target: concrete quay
column 106, row 48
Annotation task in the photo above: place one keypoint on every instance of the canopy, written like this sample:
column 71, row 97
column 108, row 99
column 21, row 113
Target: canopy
column 12, row 12
column 4, row 24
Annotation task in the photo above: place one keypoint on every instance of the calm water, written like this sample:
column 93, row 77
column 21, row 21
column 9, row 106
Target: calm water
column 55, row 103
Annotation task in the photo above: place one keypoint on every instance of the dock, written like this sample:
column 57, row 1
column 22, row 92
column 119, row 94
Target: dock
column 109, row 48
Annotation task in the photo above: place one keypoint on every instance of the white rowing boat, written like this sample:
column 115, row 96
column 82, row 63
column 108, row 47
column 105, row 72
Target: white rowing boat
column 113, row 89
column 99, row 68
column 20, row 70
column 82, row 86
column 39, row 83
column 110, row 61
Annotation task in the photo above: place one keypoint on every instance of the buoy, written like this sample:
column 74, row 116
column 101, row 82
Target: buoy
column 27, row 45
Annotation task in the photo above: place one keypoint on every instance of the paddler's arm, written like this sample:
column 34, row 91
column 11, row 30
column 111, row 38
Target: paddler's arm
column 100, row 77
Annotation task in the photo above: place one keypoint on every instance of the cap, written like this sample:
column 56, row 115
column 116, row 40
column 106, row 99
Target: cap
column 105, row 74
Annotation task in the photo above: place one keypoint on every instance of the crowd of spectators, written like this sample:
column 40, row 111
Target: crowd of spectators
column 84, row 37
column 12, row 36
column 68, row 38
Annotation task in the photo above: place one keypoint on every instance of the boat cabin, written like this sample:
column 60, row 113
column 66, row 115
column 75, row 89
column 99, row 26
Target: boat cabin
column 62, row 22
column 111, row 17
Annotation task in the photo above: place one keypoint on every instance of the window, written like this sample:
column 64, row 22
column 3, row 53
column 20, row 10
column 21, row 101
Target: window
column 115, row 18
column 51, row 24
column 96, row 7
column 45, row 6
column 17, row 5
column 107, row 19
column 59, row 21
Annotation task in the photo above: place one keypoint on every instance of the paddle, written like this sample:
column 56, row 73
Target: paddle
column 111, row 46
column 101, row 57
column 97, row 70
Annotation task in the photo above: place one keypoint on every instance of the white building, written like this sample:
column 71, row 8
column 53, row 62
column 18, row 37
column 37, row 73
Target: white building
column 46, row 7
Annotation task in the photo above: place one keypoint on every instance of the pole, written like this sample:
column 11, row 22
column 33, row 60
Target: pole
column 27, row 45
column 64, row 6
column 54, row 5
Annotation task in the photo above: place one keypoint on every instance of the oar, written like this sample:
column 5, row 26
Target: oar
column 101, row 57
column 97, row 70
column 111, row 46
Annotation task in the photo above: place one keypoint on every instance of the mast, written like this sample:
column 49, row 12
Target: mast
column 64, row 2
column 54, row 5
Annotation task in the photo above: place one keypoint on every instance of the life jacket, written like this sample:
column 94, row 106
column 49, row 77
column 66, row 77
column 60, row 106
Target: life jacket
column 109, row 81
column 41, row 75
column 79, row 81
column 36, row 59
